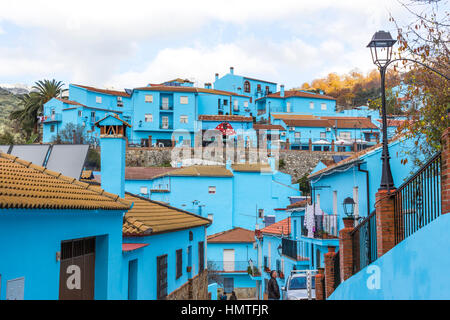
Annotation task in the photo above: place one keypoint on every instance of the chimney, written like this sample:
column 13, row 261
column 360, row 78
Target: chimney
column 231, row 70
column 112, row 148
column 217, row 76
column 282, row 91
column 207, row 85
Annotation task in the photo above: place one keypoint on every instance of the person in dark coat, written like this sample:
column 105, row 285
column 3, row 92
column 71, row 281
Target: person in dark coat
column 233, row 296
column 223, row 296
column 272, row 287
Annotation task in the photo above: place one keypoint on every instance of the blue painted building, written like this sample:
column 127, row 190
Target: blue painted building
column 231, row 258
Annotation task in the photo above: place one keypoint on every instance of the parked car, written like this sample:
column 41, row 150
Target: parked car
column 300, row 285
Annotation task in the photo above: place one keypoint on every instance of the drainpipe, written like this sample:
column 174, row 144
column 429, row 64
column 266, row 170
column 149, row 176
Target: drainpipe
column 367, row 187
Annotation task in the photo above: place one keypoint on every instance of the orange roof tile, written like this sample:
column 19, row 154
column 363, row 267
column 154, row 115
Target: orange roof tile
column 268, row 127
column 145, row 173
column 105, row 91
column 230, row 118
column 235, row 235
column 298, row 93
column 70, row 102
column 26, row 185
column 298, row 204
column 251, row 167
column 279, row 228
column 148, row 217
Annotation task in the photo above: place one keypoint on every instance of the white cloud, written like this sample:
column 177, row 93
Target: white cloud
column 98, row 42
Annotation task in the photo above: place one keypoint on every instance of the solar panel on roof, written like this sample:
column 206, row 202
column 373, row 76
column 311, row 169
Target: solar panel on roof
column 4, row 148
column 68, row 159
column 35, row 153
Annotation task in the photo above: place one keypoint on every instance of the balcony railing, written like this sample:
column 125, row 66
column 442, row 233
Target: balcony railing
column 53, row 118
column 232, row 266
column 166, row 107
column 417, row 202
column 166, row 126
column 326, row 226
column 295, row 249
column 364, row 242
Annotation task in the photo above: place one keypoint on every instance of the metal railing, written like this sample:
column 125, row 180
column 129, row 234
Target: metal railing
column 417, row 202
column 229, row 266
column 326, row 226
column 364, row 242
column 295, row 249
column 166, row 107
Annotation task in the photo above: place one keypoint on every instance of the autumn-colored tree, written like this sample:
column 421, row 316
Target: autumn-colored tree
column 425, row 39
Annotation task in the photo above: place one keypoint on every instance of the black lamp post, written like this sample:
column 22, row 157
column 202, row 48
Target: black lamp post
column 381, row 50
column 349, row 207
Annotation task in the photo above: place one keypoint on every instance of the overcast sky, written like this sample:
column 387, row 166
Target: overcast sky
column 125, row 44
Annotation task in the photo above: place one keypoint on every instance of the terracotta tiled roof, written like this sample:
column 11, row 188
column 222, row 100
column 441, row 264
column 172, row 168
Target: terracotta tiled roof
column 353, row 157
column 235, row 235
column 148, row 217
column 112, row 114
column 298, row 204
column 231, row 118
column 251, row 167
column 156, row 87
column 198, row 171
column 259, row 80
column 297, row 93
column 338, row 122
column 105, row 91
column 268, row 127
column 26, row 185
column 279, row 228
column 69, row 102
column 145, row 173
column 221, row 92
column 87, row 174
column 287, row 116
column 309, row 123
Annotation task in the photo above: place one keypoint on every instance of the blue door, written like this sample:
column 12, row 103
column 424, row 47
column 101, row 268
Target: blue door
column 132, row 279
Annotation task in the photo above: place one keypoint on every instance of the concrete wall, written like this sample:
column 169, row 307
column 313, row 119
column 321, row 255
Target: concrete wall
column 417, row 268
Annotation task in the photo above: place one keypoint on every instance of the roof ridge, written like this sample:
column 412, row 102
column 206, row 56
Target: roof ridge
column 60, row 176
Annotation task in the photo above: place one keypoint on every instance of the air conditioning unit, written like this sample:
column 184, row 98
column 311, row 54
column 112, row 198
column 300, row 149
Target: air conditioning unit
column 283, row 134
column 328, row 129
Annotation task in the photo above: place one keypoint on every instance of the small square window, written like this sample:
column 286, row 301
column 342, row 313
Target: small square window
column 143, row 190
column 80, row 113
column 323, row 106
column 52, row 128
column 225, row 102
column 148, row 117
column 211, row 216
column 149, row 98
column 184, row 100
column 311, row 105
column 211, row 189
column 323, row 135
column 98, row 99
column 246, row 104
column 297, row 135
column 183, row 119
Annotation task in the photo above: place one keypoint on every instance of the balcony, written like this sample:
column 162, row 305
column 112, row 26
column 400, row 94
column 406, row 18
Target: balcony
column 295, row 249
column 166, row 107
column 56, row 117
column 232, row 267
column 166, row 126
column 325, row 227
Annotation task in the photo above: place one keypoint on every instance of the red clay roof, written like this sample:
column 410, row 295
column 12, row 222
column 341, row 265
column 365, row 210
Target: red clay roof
column 308, row 123
column 132, row 246
column 279, row 228
column 231, row 118
column 233, row 236
column 297, row 93
column 105, row 91
column 156, row 87
column 69, row 102
column 268, row 127
column 145, row 173
column 298, row 204
column 338, row 122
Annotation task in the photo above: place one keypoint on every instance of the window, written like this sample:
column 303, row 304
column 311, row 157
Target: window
column 267, row 90
column 258, row 88
column 161, row 277
column 335, row 204
column 80, row 113
column 260, row 213
column 278, row 266
column 165, row 122
column 356, row 199
column 149, row 98
column 246, row 86
column 228, row 284
column 311, row 105
column 288, row 107
column 323, row 135
column 179, row 271
column 297, row 135
column 92, row 116
column 148, row 117
column 323, row 106
column 236, row 105
column 184, row 100
column 345, row 135
column 165, row 103
column 143, row 190
column 265, row 262
column 225, row 102
column 201, row 256
column 211, row 189
column 52, row 128
column 246, row 104
column 183, row 119
column 119, row 102
column 98, row 99
column 211, row 217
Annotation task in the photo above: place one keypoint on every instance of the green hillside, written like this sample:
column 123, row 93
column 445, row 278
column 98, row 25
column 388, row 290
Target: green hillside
column 8, row 103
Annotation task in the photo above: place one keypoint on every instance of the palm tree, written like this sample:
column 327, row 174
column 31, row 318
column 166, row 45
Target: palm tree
column 33, row 103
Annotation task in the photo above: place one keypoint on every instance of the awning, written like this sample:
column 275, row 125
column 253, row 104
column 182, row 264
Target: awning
column 126, row 247
column 226, row 129
column 342, row 142
column 321, row 142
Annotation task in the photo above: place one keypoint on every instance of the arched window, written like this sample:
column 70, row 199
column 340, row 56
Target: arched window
column 246, row 86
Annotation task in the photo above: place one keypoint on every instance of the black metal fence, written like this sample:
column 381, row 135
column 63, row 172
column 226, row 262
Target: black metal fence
column 295, row 249
column 417, row 202
column 364, row 242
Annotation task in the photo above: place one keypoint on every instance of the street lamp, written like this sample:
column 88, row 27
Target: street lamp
column 381, row 50
column 349, row 207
